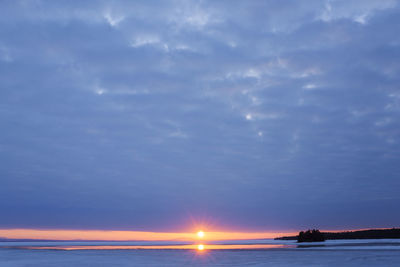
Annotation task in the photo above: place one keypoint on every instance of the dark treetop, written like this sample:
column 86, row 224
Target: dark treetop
column 315, row 235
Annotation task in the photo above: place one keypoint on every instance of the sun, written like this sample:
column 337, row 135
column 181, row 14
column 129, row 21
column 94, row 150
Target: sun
column 200, row 247
column 200, row 234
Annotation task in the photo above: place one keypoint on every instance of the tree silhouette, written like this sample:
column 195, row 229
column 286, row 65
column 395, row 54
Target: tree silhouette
column 310, row 236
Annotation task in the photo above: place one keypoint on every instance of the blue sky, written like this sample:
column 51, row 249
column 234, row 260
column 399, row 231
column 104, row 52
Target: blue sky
column 153, row 115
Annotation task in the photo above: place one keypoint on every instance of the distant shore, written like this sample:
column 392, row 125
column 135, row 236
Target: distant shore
column 360, row 234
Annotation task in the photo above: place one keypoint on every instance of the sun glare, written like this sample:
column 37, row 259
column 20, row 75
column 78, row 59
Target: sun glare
column 200, row 234
column 200, row 247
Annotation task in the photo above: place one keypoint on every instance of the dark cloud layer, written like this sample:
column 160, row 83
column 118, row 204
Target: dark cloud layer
column 256, row 115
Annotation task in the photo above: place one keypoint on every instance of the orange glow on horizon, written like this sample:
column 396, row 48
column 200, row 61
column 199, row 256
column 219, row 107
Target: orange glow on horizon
column 109, row 235
column 200, row 247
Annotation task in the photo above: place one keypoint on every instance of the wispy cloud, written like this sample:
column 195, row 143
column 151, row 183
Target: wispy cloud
column 162, row 108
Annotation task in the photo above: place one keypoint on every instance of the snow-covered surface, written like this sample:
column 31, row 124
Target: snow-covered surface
column 384, row 252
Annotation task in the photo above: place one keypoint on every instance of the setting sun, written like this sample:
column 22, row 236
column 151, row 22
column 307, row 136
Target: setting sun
column 200, row 234
column 200, row 247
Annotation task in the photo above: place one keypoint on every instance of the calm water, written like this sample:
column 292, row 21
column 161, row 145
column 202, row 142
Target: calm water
column 271, row 253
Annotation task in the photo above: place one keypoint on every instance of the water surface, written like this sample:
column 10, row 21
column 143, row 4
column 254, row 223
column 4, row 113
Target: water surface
column 232, row 253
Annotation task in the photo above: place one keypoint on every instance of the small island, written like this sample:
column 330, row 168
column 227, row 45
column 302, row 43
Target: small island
column 317, row 236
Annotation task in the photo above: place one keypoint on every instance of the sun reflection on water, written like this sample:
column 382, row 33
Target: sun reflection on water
column 198, row 247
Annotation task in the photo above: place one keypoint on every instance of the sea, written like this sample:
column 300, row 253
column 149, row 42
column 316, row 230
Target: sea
column 266, row 252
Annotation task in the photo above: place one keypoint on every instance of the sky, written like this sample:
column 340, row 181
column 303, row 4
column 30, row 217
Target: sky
column 165, row 115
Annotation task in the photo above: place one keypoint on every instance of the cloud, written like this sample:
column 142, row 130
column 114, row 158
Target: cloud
column 113, row 20
column 162, row 108
column 356, row 10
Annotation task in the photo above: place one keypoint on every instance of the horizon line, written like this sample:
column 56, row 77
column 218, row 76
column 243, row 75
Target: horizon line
column 124, row 235
column 121, row 235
